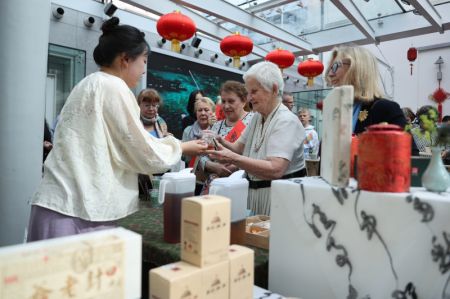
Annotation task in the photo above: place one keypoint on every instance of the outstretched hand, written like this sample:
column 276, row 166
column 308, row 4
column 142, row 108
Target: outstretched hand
column 219, row 169
column 194, row 147
column 222, row 155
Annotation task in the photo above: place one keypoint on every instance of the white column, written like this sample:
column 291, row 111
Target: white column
column 24, row 35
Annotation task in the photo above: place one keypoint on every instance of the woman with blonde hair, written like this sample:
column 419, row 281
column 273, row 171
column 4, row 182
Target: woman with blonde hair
column 356, row 66
column 204, row 109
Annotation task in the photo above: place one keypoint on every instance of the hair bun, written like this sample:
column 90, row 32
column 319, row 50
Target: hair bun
column 110, row 24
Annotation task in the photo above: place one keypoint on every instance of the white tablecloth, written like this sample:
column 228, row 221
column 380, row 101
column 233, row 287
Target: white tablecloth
column 260, row 293
column 330, row 242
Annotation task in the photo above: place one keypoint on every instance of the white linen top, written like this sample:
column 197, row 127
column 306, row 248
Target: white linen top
column 100, row 147
column 280, row 136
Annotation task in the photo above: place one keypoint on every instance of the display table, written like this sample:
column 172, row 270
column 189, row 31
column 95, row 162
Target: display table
column 345, row 243
column 260, row 293
column 148, row 222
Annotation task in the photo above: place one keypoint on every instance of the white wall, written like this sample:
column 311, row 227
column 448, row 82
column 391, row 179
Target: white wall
column 413, row 91
column 23, row 67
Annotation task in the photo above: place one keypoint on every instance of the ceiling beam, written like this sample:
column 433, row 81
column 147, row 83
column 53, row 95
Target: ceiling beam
column 259, row 8
column 349, row 9
column 268, row 5
column 393, row 27
column 205, row 26
column 429, row 12
column 235, row 15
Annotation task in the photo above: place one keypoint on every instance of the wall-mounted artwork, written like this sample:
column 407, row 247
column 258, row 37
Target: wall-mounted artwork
column 175, row 78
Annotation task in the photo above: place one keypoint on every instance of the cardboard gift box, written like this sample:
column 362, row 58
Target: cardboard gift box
column 215, row 281
column 241, row 260
column 205, row 229
column 177, row 280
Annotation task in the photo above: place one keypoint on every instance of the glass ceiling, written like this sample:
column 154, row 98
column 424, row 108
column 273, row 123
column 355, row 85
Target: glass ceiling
column 308, row 26
column 301, row 17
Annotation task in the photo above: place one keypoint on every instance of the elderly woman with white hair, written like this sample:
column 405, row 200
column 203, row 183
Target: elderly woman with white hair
column 271, row 147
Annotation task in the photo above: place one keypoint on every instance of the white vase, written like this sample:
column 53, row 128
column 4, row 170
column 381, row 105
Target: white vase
column 436, row 177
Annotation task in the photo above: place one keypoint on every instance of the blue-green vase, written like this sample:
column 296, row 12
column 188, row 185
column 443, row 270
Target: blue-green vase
column 436, row 177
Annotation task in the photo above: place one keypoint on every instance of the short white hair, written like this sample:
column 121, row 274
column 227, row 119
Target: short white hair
column 267, row 74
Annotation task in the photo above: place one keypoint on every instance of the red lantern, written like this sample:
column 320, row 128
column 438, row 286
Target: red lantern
column 236, row 46
column 175, row 27
column 412, row 55
column 282, row 58
column 319, row 105
column 439, row 96
column 310, row 68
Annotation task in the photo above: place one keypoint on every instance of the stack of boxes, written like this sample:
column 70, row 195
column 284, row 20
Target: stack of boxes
column 210, row 267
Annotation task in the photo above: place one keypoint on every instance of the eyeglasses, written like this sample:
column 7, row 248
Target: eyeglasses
column 336, row 65
column 148, row 105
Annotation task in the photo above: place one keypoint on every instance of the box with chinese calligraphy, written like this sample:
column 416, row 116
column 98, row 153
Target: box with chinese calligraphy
column 90, row 265
column 205, row 229
column 241, row 272
column 177, row 280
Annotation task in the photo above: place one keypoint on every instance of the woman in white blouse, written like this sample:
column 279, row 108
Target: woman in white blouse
column 90, row 177
column 272, row 145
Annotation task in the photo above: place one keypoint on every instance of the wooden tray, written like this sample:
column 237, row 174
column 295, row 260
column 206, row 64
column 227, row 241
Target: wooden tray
column 257, row 231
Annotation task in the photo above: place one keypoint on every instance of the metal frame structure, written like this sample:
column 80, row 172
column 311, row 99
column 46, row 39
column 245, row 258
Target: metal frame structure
column 210, row 15
column 204, row 25
column 351, row 11
column 247, row 20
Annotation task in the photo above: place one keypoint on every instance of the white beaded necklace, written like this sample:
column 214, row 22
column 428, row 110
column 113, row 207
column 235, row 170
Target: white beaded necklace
column 265, row 125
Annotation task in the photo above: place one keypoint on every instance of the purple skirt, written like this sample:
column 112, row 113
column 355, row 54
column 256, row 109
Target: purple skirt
column 47, row 224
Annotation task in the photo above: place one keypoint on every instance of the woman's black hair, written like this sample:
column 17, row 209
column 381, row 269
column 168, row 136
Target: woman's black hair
column 191, row 102
column 117, row 39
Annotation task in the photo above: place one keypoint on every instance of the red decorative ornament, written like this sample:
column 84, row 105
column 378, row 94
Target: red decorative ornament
column 412, row 56
column 310, row 68
column 236, row 46
column 439, row 96
column 175, row 27
column 282, row 58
